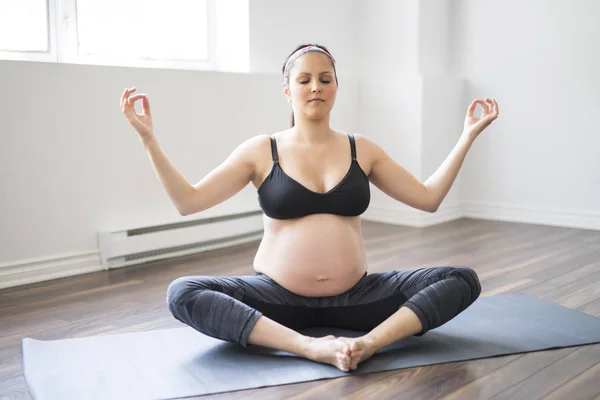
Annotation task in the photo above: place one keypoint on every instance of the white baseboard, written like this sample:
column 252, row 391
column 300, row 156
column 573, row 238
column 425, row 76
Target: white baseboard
column 531, row 215
column 23, row 272
column 482, row 210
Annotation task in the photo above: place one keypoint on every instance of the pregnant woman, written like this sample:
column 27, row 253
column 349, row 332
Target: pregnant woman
column 310, row 268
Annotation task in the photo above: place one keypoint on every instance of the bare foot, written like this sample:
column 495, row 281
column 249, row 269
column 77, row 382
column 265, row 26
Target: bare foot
column 329, row 350
column 360, row 349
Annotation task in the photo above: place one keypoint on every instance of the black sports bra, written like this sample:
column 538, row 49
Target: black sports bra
column 282, row 197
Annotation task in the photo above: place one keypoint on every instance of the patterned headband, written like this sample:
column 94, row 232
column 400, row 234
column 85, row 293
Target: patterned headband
column 301, row 52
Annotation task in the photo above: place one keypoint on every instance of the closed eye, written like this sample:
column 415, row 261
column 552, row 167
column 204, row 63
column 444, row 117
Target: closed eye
column 321, row 81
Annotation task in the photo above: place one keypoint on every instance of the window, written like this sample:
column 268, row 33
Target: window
column 186, row 34
column 24, row 25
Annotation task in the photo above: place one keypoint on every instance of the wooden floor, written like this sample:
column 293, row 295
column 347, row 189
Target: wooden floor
column 560, row 265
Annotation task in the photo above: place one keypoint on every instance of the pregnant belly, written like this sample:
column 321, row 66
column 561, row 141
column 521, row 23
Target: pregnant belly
column 317, row 255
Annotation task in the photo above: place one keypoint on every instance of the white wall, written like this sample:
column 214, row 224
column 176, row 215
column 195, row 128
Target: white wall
column 540, row 60
column 435, row 37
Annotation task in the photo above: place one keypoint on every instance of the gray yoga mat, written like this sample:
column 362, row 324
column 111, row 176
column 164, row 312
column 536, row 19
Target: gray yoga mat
column 180, row 362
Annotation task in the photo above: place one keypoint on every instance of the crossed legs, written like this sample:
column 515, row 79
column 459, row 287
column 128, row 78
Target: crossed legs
column 390, row 306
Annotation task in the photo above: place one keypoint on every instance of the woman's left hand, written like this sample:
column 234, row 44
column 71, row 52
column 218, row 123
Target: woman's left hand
column 474, row 125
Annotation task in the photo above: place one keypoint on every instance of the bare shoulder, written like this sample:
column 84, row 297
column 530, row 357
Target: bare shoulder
column 257, row 150
column 263, row 140
column 368, row 152
column 368, row 145
column 255, row 144
column 254, row 148
column 259, row 146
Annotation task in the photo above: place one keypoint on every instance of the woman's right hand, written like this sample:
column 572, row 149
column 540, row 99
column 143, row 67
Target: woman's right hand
column 142, row 123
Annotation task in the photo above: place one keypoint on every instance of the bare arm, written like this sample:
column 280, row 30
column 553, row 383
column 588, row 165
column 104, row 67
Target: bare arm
column 439, row 183
column 177, row 187
column 227, row 179
column 442, row 179
column 219, row 185
column 401, row 185
column 396, row 181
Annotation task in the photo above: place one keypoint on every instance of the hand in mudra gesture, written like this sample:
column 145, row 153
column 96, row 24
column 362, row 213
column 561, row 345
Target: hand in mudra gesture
column 475, row 125
column 142, row 123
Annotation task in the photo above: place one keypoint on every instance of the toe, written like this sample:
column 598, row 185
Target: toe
column 343, row 366
column 344, row 360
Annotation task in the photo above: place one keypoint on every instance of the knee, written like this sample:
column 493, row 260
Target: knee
column 177, row 293
column 470, row 277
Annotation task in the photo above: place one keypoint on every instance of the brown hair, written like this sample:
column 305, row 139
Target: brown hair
column 292, row 122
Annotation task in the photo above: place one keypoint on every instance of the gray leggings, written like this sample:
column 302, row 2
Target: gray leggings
column 227, row 308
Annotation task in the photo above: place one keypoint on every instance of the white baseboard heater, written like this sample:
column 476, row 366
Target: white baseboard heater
column 141, row 245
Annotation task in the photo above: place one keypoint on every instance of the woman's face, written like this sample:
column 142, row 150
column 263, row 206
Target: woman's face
column 312, row 77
